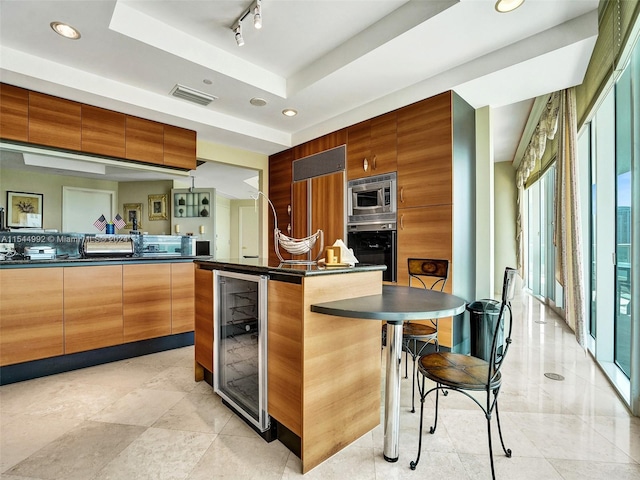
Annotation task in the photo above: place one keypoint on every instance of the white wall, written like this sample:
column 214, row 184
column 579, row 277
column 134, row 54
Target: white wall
column 505, row 225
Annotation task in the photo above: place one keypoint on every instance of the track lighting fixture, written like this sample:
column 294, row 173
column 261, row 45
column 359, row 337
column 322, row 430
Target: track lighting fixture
column 257, row 15
column 238, row 31
column 256, row 9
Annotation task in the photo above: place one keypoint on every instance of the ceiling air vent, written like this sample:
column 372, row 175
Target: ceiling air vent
column 192, row 95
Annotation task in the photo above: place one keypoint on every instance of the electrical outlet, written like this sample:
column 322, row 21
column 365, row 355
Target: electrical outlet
column 7, row 247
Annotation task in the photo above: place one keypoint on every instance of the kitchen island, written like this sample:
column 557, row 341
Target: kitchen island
column 323, row 372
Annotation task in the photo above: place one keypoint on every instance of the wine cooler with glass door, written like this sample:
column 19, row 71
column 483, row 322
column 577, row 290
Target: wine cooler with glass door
column 240, row 345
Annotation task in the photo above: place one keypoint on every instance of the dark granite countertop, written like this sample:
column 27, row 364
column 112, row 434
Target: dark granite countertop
column 94, row 261
column 262, row 266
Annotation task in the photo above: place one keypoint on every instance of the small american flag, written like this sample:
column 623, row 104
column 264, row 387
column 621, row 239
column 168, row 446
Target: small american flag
column 100, row 223
column 119, row 222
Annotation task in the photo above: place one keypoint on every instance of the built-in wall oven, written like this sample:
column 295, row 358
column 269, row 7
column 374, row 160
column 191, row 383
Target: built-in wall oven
column 371, row 221
column 375, row 244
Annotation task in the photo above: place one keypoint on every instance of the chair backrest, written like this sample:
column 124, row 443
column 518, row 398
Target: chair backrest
column 426, row 270
column 504, row 324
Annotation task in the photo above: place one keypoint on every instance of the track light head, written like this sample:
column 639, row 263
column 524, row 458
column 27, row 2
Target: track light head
column 257, row 15
column 238, row 33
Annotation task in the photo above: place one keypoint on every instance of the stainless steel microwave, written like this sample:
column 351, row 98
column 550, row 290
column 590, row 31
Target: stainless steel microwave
column 372, row 200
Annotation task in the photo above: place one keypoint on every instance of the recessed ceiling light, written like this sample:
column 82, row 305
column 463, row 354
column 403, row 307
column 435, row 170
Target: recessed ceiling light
column 289, row 112
column 65, row 30
column 258, row 102
column 506, row 6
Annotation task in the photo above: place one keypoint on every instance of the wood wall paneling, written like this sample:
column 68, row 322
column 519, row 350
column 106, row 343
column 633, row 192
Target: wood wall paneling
column 280, row 179
column 14, row 113
column 103, row 131
column 342, row 361
column 300, row 207
column 54, row 122
column 182, row 297
column 204, row 318
column 144, row 140
column 179, row 147
column 92, row 308
column 31, row 314
column 147, row 301
column 284, row 364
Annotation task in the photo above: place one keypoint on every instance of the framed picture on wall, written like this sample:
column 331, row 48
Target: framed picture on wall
column 131, row 211
column 24, row 209
column 158, row 207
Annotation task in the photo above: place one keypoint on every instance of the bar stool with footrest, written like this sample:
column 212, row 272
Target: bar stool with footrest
column 462, row 373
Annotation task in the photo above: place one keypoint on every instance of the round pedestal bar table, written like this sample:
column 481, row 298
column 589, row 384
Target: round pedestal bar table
column 395, row 305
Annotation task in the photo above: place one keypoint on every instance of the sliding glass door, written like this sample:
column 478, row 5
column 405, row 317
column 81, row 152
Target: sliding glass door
column 622, row 323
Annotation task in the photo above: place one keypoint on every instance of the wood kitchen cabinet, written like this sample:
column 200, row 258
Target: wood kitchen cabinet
column 55, row 122
column 14, row 113
column 146, row 301
column 204, row 319
column 371, row 147
column 33, row 117
column 103, row 131
column 144, row 140
column 92, row 307
column 182, row 297
column 320, row 144
column 179, row 147
column 425, row 152
column 436, row 203
column 31, row 314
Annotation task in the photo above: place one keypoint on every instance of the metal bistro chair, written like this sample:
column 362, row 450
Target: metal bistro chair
column 431, row 274
column 462, row 373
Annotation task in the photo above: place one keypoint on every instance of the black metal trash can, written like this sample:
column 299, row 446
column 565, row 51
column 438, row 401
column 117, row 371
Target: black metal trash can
column 483, row 315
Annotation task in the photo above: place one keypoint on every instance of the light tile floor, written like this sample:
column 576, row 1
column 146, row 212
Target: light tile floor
column 145, row 418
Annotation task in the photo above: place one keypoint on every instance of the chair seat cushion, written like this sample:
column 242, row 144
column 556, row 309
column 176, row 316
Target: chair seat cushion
column 457, row 371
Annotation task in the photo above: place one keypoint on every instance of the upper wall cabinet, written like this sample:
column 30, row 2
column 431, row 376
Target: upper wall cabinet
column 33, row 117
column 144, row 140
column 179, row 147
column 103, row 131
column 54, row 122
column 317, row 145
column 14, row 113
column 371, row 147
column 425, row 150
